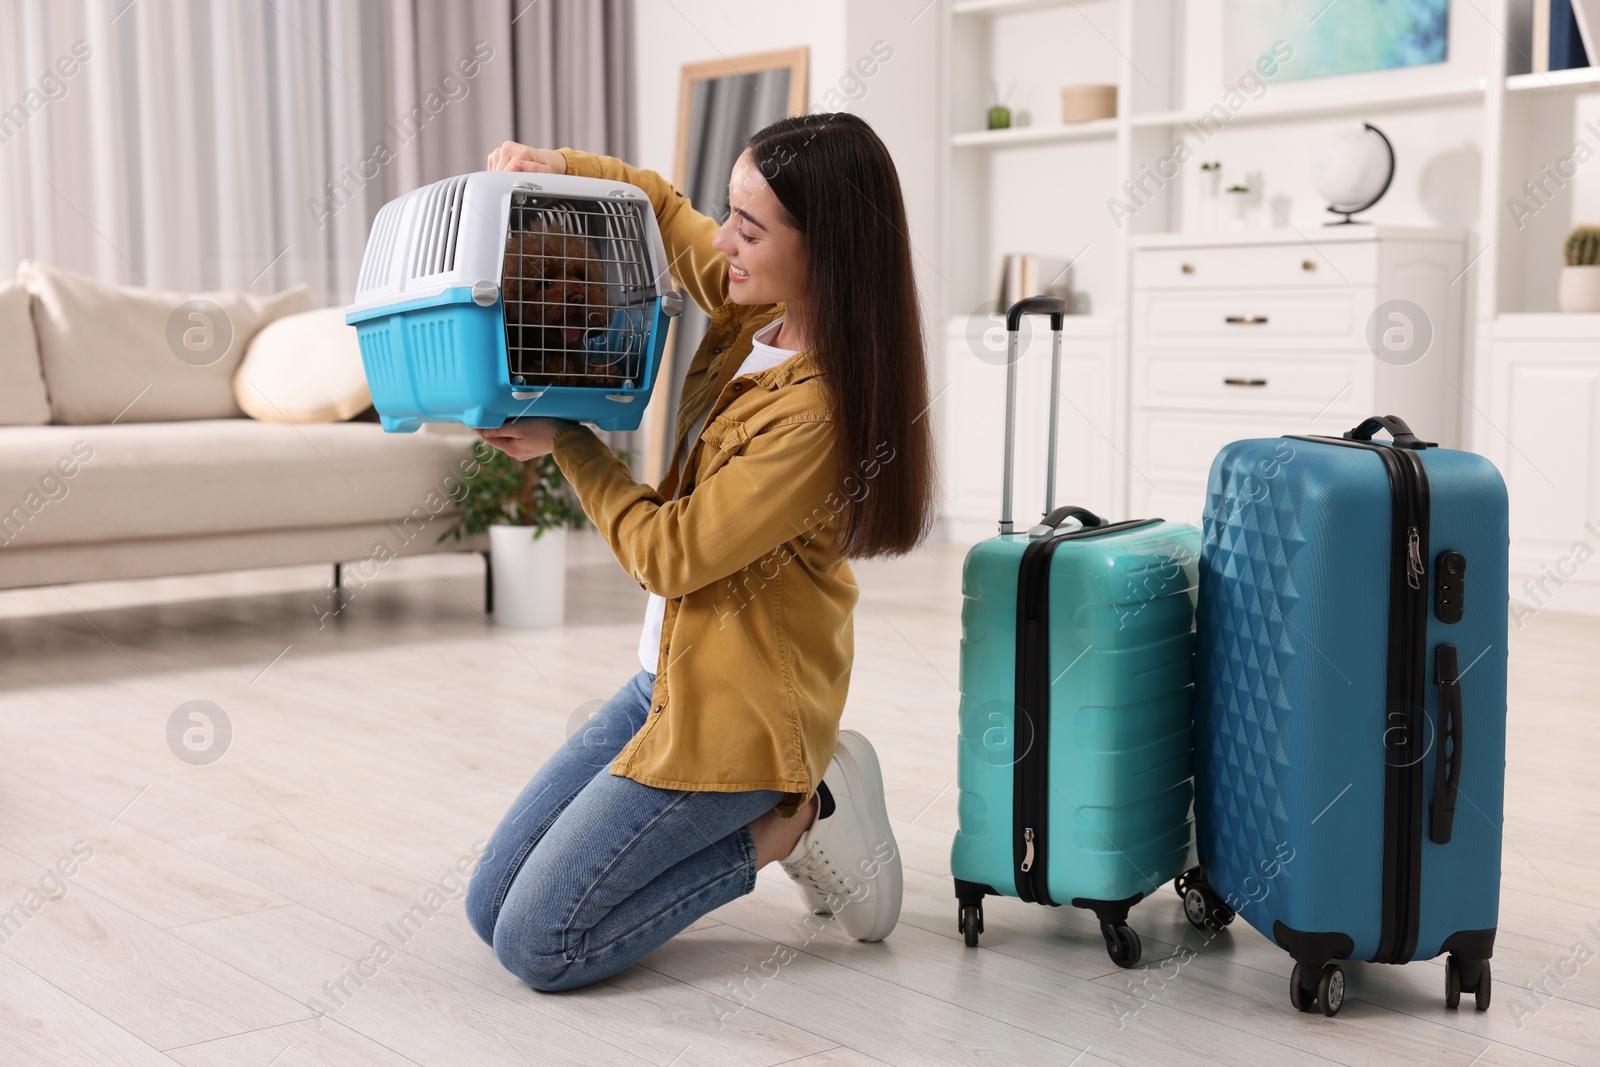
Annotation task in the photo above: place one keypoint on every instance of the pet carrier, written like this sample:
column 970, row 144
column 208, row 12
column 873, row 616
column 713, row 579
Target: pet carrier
column 490, row 296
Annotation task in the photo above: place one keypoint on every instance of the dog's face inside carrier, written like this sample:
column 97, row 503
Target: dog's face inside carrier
column 577, row 286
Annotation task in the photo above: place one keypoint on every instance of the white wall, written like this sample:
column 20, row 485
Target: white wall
column 899, row 98
column 668, row 35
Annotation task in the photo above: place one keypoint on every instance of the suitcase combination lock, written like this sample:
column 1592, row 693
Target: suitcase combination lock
column 1449, row 585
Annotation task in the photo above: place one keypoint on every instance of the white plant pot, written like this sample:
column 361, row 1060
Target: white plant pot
column 530, row 575
column 1579, row 289
column 1238, row 210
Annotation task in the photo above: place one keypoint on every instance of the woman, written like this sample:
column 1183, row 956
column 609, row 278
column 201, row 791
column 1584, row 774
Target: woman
column 801, row 416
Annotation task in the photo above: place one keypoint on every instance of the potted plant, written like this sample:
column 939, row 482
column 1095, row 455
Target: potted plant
column 1580, row 278
column 527, row 507
column 1239, row 199
column 999, row 116
column 1210, row 192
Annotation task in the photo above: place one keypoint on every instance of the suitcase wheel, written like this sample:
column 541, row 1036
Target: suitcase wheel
column 1122, row 944
column 1456, row 972
column 1302, row 998
column 969, row 920
column 1203, row 908
column 1327, row 994
column 1330, row 989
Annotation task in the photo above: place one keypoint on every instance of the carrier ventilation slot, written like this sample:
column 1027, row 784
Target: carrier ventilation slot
column 380, row 250
column 439, row 225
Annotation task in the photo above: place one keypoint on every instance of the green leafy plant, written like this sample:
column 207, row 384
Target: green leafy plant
column 1211, row 166
column 1583, row 246
column 1238, row 189
column 505, row 491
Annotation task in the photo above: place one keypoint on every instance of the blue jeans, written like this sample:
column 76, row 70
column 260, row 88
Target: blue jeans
column 589, row 871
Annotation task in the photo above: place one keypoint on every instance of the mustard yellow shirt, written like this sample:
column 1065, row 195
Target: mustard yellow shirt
column 757, row 639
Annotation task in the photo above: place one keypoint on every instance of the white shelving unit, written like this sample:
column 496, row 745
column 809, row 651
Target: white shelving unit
column 1535, row 401
column 1554, row 81
column 1468, row 134
column 1462, row 92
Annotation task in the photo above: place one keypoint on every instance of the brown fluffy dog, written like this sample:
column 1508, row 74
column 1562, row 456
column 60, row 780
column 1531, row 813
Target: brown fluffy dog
column 555, row 295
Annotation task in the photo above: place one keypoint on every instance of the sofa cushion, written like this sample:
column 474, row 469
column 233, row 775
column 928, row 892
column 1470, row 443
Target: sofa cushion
column 22, row 397
column 84, row 484
column 143, row 355
column 303, row 368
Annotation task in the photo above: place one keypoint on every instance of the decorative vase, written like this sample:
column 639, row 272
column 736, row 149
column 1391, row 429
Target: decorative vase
column 999, row 117
column 1579, row 289
column 530, row 575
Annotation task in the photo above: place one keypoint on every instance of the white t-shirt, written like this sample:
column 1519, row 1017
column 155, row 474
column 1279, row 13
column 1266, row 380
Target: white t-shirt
column 761, row 357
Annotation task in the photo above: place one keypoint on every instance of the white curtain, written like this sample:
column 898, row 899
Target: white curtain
column 247, row 144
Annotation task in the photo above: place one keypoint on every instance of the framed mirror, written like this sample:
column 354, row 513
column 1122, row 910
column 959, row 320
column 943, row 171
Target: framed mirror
column 721, row 102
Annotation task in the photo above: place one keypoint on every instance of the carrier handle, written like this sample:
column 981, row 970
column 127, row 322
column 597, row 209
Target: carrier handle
column 1403, row 437
column 1083, row 515
column 1056, row 308
column 1447, row 766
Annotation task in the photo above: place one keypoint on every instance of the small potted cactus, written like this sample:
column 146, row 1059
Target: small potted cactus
column 1580, row 278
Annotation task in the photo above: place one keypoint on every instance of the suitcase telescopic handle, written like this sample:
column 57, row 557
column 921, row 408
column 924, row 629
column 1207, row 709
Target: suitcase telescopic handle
column 1056, row 308
column 1403, row 437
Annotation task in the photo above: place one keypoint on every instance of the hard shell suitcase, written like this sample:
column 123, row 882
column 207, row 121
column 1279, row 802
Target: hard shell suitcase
column 1075, row 758
column 1350, row 704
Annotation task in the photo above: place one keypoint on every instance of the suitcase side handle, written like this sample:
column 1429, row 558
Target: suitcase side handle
column 1447, row 768
column 1056, row 308
column 1403, row 437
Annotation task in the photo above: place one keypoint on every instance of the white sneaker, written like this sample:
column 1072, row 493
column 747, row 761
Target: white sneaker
column 847, row 861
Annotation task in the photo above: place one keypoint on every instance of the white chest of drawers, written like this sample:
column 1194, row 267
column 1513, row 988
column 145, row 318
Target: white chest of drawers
column 1262, row 334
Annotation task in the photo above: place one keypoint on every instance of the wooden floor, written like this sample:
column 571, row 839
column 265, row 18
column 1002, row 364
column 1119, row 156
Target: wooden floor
column 221, row 903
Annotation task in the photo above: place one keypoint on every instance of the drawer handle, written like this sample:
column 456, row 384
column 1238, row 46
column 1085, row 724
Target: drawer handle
column 1306, row 264
column 1247, row 320
column 1244, row 381
column 1187, row 268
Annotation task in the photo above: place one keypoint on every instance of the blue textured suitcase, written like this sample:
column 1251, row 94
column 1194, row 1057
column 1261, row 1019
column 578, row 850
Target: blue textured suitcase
column 1350, row 704
column 1077, row 653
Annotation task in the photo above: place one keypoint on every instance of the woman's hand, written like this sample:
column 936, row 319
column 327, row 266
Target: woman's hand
column 514, row 156
column 526, row 438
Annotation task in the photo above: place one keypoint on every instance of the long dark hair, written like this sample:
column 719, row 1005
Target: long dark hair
column 837, row 184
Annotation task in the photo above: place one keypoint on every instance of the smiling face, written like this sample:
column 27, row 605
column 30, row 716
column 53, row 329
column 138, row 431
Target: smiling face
column 766, row 256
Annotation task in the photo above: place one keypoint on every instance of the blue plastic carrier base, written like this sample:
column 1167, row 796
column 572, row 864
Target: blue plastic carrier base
column 1350, row 704
column 1074, row 761
column 443, row 359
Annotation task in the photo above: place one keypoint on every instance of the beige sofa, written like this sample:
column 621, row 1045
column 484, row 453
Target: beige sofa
column 123, row 453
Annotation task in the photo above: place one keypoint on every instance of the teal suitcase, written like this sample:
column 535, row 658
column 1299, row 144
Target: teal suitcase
column 1077, row 649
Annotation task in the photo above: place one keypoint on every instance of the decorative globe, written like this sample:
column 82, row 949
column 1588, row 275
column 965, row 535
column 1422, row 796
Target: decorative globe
column 1351, row 167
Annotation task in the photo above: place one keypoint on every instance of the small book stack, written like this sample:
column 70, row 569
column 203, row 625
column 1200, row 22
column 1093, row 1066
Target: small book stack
column 1033, row 275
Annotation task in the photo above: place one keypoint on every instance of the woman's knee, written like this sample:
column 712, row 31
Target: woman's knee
column 537, row 955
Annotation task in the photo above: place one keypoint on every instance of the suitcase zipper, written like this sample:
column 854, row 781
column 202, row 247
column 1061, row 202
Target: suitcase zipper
column 1406, row 766
column 1031, row 782
column 1031, row 721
